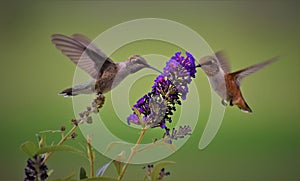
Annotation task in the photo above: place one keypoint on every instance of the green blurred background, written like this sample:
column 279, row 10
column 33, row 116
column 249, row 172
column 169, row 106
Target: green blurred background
column 261, row 146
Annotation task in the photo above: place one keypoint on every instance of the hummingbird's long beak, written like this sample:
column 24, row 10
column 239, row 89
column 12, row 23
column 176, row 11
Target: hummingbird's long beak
column 153, row 68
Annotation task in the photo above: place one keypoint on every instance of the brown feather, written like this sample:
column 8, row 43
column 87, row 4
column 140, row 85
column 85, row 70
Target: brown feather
column 234, row 94
column 105, row 82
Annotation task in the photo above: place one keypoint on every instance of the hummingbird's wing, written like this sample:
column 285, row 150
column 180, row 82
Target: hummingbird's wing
column 84, row 54
column 223, row 61
column 88, row 43
column 240, row 74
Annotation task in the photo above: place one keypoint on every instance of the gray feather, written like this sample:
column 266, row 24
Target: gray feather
column 87, row 87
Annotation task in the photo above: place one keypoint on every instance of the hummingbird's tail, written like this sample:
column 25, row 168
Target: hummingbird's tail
column 242, row 104
column 239, row 75
column 68, row 92
column 87, row 87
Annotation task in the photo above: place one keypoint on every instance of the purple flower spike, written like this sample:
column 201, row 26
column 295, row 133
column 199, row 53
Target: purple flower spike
column 36, row 169
column 180, row 71
column 133, row 118
column 158, row 105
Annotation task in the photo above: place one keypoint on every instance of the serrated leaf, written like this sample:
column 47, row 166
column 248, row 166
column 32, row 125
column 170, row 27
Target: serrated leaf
column 66, row 148
column 113, row 144
column 29, row 148
column 100, row 179
column 82, row 173
column 157, row 168
column 101, row 170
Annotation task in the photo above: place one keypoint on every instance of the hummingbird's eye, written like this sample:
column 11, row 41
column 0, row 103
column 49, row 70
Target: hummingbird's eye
column 208, row 62
column 135, row 60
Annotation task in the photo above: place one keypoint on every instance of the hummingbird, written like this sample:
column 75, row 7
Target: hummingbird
column 226, row 83
column 105, row 73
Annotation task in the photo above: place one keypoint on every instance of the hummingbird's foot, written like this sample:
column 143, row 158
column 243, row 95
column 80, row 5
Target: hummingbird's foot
column 224, row 102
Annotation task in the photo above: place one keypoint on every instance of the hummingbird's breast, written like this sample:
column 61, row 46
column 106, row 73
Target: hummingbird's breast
column 218, row 83
column 110, row 78
column 233, row 90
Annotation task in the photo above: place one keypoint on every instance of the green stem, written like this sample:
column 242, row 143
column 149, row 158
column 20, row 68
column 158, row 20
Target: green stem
column 147, row 147
column 132, row 153
column 50, row 131
column 91, row 157
column 63, row 139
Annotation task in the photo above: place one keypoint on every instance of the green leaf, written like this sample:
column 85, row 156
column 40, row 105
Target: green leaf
column 67, row 178
column 118, row 162
column 66, row 148
column 118, row 166
column 82, row 174
column 29, row 148
column 70, row 179
column 157, row 168
column 100, row 179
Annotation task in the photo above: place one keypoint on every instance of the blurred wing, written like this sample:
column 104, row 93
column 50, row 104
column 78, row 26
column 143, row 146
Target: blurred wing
column 87, row 59
column 96, row 53
column 85, row 41
column 249, row 70
column 223, row 61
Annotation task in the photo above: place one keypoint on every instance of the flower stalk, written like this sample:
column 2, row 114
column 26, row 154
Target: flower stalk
column 156, row 108
column 91, row 157
column 63, row 139
column 132, row 152
column 84, row 117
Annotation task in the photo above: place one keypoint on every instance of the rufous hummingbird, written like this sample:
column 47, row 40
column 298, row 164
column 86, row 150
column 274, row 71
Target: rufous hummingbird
column 106, row 74
column 226, row 83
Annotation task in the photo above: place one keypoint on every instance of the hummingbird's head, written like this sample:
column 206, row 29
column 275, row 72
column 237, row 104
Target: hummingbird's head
column 209, row 65
column 136, row 62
